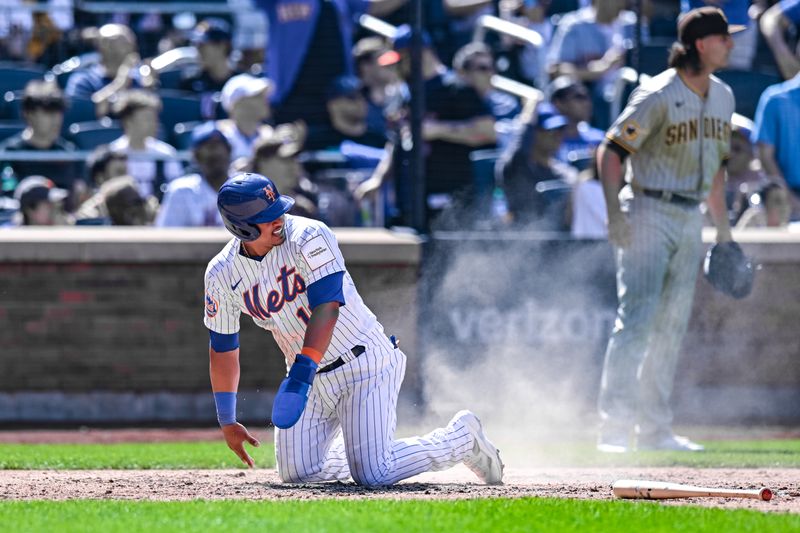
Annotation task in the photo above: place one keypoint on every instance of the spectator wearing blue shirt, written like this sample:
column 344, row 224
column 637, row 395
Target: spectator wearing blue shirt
column 347, row 118
column 774, row 23
column 777, row 136
column 744, row 42
column 572, row 99
column 117, row 70
column 531, row 60
column 529, row 172
column 376, row 67
column 310, row 44
column 591, row 44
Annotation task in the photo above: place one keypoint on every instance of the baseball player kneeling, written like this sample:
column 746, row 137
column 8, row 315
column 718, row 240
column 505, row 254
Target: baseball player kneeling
column 335, row 411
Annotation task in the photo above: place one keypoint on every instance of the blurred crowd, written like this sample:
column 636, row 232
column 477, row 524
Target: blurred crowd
column 137, row 119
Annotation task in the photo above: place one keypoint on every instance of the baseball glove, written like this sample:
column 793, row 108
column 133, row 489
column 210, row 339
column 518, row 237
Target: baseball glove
column 729, row 270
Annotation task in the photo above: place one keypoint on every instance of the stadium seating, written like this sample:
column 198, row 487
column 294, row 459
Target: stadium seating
column 170, row 79
column 78, row 109
column 14, row 76
column 8, row 209
column 89, row 135
column 553, row 190
column 748, row 85
column 65, row 69
column 556, row 195
column 653, row 57
column 12, row 105
column 10, row 127
column 182, row 134
column 563, row 6
column 483, row 163
column 177, row 107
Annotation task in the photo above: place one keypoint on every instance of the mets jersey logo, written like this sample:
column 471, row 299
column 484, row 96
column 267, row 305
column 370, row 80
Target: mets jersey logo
column 289, row 290
column 211, row 306
column 269, row 193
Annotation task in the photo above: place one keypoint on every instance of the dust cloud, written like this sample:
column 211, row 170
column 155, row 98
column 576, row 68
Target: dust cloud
column 514, row 329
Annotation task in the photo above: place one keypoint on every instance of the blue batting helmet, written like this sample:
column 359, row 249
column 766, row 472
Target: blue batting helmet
column 249, row 199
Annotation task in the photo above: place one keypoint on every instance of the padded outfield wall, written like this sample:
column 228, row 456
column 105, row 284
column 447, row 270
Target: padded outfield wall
column 104, row 325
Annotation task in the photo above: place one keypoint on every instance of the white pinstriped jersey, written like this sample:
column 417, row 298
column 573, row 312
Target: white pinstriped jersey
column 676, row 137
column 273, row 291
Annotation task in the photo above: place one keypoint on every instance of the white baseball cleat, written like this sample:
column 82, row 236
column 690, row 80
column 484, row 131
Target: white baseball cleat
column 485, row 459
column 612, row 443
column 670, row 442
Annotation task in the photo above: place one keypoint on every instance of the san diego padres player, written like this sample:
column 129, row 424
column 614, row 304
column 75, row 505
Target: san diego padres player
column 335, row 411
column 674, row 134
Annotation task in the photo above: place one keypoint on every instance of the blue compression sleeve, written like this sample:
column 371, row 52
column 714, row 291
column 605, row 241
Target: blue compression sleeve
column 327, row 289
column 226, row 407
column 222, row 342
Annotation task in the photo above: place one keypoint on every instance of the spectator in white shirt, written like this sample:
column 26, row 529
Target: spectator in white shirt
column 152, row 163
column 246, row 100
column 192, row 199
column 589, row 218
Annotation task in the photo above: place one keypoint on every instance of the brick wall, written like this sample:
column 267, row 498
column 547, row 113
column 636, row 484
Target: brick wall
column 122, row 333
column 137, row 326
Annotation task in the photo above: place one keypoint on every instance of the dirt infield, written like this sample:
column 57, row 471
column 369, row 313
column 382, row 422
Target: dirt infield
column 457, row 483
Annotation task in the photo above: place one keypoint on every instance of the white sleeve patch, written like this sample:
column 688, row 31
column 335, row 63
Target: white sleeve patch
column 317, row 253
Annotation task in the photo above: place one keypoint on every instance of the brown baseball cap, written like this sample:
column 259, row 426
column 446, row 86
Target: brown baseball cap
column 702, row 22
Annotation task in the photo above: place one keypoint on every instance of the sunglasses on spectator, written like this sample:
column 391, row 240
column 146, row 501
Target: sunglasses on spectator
column 47, row 105
column 481, row 68
column 579, row 96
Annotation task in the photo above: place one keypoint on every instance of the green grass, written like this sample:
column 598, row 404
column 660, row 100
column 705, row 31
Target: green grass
column 182, row 455
column 166, row 455
column 506, row 515
column 718, row 454
column 526, row 514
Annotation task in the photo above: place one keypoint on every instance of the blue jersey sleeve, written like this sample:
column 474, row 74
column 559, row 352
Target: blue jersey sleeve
column 327, row 289
column 222, row 342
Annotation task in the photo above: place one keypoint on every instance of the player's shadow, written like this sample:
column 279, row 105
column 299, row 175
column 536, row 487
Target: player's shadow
column 336, row 488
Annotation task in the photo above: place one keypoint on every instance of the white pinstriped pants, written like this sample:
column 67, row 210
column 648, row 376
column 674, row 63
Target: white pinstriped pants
column 347, row 429
column 656, row 278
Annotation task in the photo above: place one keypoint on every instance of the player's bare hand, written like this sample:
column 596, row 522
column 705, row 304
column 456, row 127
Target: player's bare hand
column 235, row 436
column 619, row 231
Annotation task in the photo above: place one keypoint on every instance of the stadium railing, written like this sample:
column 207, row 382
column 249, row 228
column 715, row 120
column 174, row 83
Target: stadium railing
column 151, row 6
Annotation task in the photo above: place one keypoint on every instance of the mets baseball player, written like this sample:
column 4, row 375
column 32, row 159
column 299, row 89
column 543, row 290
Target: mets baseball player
column 335, row 412
column 674, row 136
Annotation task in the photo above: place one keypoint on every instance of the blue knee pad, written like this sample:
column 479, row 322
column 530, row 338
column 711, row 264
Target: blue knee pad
column 293, row 392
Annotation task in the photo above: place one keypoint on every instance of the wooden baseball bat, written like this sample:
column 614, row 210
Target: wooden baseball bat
column 659, row 490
